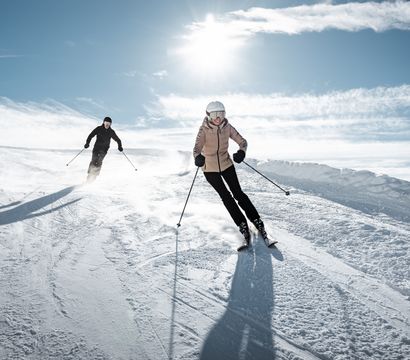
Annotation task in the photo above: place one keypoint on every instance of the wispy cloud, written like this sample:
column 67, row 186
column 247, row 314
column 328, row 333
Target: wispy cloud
column 378, row 109
column 160, row 74
column 90, row 101
column 131, row 73
column 10, row 56
column 353, row 16
column 42, row 125
column 359, row 128
column 339, row 124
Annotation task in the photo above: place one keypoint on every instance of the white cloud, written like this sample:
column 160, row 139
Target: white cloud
column 359, row 128
column 131, row 73
column 90, row 101
column 7, row 54
column 10, row 56
column 353, row 16
column 46, row 125
column 381, row 107
column 160, row 74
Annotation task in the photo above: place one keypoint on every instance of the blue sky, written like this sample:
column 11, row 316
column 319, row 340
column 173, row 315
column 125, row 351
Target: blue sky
column 116, row 57
column 104, row 51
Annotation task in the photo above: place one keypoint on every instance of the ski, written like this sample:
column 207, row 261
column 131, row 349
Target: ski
column 270, row 243
column 258, row 223
column 243, row 246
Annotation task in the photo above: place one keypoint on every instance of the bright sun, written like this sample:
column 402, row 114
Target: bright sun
column 209, row 48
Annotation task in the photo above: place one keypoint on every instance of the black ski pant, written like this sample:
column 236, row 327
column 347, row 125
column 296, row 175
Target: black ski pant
column 96, row 162
column 230, row 177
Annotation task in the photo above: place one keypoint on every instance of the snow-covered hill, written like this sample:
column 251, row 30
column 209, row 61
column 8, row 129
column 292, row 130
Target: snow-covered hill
column 100, row 271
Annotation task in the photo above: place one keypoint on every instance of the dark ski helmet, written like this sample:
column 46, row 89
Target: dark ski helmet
column 108, row 119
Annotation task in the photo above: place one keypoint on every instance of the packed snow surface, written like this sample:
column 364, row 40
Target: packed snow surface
column 100, row 271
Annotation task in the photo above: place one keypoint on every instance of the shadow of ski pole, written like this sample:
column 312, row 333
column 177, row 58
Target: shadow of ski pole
column 174, row 294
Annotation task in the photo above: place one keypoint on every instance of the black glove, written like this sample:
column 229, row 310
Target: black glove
column 86, row 146
column 239, row 156
column 200, row 160
column 120, row 148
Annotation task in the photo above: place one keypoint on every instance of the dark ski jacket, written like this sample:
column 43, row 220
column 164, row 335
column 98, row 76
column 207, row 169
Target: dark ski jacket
column 103, row 138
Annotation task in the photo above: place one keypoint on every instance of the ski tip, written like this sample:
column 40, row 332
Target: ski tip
column 241, row 248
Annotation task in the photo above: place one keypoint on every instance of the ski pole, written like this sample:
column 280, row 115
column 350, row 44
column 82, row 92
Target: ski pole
column 129, row 161
column 285, row 191
column 74, row 157
column 193, row 181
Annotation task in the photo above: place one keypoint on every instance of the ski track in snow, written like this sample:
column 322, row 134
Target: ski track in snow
column 92, row 271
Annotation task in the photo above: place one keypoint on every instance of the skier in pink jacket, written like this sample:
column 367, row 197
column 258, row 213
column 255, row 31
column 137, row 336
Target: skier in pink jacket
column 211, row 153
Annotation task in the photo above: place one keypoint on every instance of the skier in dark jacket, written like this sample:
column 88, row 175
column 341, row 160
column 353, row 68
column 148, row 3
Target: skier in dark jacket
column 104, row 134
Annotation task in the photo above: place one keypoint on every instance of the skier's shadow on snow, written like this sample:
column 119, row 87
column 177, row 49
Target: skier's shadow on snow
column 245, row 330
column 29, row 209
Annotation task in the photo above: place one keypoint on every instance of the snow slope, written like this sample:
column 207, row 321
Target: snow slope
column 100, row 271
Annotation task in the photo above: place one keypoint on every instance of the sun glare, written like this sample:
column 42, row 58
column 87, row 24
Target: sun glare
column 209, row 48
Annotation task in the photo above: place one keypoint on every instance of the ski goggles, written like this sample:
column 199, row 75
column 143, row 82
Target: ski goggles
column 213, row 115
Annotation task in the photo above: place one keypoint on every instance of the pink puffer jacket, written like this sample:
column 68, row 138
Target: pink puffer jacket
column 213, row 142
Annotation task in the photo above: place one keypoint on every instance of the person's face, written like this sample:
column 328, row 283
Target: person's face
column 217, row 117
column 217, row 121
column 107, row 124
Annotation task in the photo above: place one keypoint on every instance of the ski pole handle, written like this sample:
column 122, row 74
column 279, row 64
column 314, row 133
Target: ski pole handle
column 74, row 158
column 285, row 191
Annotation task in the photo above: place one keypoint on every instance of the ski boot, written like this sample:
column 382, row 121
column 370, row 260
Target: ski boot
column 91, row 178
column 244, row 229
column 261, row 228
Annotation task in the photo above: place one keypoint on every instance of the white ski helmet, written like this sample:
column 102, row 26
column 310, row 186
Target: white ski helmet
column 214, row 106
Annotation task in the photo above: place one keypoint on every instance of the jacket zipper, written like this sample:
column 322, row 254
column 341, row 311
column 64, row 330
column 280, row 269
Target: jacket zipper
column 217, row 150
